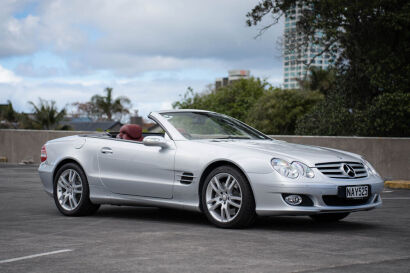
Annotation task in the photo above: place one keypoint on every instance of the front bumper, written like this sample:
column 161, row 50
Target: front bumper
column 269, row 200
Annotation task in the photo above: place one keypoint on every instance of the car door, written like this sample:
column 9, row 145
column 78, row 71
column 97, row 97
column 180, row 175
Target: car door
column 130, row 167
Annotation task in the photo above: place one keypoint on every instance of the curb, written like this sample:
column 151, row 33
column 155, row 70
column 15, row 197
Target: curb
column 397, row 184
column 15, row 165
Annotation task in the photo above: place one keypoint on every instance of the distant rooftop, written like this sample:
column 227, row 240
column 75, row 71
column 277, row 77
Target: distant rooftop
column 81, row 119
column 233, row 75
column 93, row 125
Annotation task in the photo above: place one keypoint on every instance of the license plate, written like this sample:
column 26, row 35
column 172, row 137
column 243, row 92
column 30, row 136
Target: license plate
column 357, row 192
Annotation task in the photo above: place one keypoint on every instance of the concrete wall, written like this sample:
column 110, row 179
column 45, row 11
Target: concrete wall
column 19, row 145
column 390, row 156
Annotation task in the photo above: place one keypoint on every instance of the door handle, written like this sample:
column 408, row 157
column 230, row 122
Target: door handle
column 106, row 150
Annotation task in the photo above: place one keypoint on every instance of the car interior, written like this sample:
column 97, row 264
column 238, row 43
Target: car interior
column 132, row 132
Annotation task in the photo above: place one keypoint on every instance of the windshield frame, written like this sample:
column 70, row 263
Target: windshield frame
column 164, row 120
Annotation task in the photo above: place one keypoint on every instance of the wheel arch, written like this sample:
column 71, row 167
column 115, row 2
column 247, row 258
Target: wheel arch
column 63, row 162
column 215, row 164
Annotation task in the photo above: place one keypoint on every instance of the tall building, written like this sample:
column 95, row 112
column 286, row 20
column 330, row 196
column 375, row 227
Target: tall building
column 233, row 75
column 296, row 58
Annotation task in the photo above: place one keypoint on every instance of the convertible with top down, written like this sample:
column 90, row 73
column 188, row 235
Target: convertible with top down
column 210, row 163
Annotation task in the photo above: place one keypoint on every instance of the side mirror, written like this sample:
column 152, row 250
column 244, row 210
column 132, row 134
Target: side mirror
column 155, row 141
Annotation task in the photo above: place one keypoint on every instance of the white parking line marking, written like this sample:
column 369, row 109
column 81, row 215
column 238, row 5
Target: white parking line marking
column 387, row 191
column 396, row 198
column 35, row 256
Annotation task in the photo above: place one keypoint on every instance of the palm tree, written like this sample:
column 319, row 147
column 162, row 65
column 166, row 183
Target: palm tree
column 107, row 106
column 46, row 115
column 318, row 79
column 321, row 79
column 8, row 116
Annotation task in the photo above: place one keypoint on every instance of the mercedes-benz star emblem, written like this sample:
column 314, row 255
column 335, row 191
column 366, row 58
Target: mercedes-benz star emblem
column 349, row 170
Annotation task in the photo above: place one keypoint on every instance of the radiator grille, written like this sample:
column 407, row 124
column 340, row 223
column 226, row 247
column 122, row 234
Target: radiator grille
column 342, row 170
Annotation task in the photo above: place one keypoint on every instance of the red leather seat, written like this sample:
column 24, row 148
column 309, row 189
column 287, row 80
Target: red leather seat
column 131, row 132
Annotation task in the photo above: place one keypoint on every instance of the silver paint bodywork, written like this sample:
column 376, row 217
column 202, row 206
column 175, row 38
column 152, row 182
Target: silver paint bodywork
column 125, row 172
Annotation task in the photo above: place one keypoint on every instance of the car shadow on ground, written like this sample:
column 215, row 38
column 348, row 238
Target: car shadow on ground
column 152, row 214
column 305, row 223
column 285, row 223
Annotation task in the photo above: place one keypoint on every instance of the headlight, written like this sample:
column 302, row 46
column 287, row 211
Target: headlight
column 284, row 168
column 303, row 169
column 292, row 170
column 369, row 168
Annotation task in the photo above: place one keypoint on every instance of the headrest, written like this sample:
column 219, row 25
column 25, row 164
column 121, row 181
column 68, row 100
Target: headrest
column 131, row 132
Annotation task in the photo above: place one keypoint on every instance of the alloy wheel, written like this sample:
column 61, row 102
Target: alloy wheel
column 223, row 197
column 69, row 189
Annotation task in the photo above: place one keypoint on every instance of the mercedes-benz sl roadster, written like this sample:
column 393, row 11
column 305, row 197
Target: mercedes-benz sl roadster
column 207, row 162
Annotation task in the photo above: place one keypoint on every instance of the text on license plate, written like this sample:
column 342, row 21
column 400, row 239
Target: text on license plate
column 357, row 192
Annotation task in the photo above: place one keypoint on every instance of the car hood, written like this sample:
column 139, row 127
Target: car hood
column 309, row 155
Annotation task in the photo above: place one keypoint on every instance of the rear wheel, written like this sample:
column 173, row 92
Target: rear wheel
column 329, row 217
column 227, row 199
column 71, row 191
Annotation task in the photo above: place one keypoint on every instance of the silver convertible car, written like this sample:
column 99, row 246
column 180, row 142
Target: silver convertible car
column 208, row 162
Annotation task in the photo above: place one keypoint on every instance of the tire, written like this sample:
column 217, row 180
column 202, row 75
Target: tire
column 329, row 217
column 71, row 192
column 220, row 204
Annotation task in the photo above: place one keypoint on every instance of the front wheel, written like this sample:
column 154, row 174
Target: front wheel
column 71, row 192
column 329, row 217
column 227, row 198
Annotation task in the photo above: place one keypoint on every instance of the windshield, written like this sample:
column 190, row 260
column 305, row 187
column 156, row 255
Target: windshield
column 203, row 125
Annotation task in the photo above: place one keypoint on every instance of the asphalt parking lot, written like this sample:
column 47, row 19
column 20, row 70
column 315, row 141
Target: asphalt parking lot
column 35, row 237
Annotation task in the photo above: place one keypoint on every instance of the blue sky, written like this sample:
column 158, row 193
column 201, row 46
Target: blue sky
column 150, row 51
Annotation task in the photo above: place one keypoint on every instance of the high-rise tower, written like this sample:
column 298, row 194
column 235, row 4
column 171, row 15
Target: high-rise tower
column 295, row 58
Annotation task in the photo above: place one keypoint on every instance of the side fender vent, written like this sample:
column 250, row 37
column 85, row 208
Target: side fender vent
column 186, row 178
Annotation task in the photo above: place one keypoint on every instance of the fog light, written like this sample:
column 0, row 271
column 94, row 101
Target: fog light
column 293, row 199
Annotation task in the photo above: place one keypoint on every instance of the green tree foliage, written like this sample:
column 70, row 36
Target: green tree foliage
column 273, row 111
column 331, row 117
column 107, row 106
column 387, row 115
column 234, row 100
column 88, row 109
column 46, row 115
column 370, row 38
column 277, row 110
column 190, row 100
column 8, row 116
column 26, row 122
column 104, row 107
column 319, row 79
column 371, row 42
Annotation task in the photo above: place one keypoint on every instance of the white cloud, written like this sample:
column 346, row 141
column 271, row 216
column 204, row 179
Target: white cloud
column 7, row 76
column 150, row 51
column 128, row 36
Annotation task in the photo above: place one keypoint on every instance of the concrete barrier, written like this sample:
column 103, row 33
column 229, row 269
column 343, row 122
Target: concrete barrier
column 24, row 145
column 390, row 156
